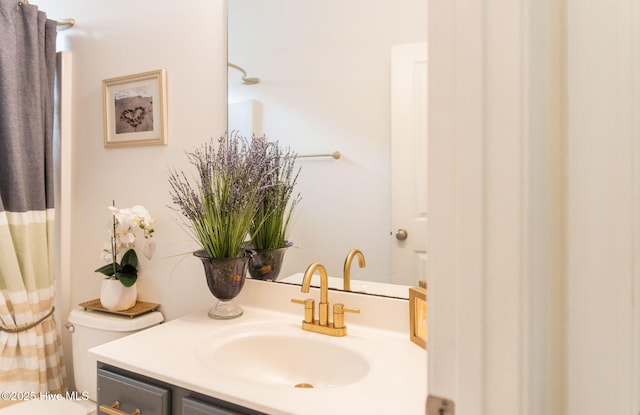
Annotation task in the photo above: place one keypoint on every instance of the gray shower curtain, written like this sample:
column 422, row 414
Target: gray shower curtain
column 30, row 352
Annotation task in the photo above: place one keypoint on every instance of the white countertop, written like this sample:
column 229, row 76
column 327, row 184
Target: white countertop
column 395, row 383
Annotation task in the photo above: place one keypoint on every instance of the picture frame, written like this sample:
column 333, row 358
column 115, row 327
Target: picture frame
column 135, row 110
column 418, row 316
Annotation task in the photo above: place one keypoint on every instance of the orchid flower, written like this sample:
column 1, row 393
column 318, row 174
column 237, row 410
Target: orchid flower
column 122, row 237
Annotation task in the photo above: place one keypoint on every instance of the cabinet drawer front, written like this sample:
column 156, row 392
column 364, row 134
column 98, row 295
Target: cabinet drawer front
column 194, row 407
column 132, row 394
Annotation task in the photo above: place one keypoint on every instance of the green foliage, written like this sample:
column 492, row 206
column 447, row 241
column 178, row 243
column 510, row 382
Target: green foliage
column 220, row 204
column 242, row 188
column 271, row 222
column 126, row 271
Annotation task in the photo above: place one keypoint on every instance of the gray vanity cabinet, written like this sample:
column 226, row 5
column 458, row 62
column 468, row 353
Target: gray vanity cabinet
column 153, row 397
column 126, row 394
column 194, row 407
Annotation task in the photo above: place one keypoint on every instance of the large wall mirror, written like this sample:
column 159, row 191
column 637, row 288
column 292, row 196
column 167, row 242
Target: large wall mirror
column 346, row 76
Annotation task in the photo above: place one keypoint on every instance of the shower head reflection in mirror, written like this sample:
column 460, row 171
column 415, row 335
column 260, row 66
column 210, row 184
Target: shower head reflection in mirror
column 245, row 79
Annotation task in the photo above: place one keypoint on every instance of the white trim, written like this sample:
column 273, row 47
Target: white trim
column 63, row 206
column 602, row 203
column 496, row 119
column 456, row 186
column 635, row 128
column 635, row 114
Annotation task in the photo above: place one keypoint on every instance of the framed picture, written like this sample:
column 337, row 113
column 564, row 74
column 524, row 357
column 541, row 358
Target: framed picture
column 135, row 110
column 418, row 316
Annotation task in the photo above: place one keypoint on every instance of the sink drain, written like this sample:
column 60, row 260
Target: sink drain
column 303, row 385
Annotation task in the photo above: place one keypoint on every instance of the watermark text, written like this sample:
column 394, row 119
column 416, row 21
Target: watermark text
column 43, row 396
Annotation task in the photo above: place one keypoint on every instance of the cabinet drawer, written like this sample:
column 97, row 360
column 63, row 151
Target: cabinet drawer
column 194, row 407
column 132, row 394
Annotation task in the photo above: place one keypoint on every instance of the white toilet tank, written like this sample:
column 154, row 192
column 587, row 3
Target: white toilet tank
column 93, row 328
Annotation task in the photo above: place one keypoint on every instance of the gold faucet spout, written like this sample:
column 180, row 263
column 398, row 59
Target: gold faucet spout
column 324, row 289
column 347, row 267
column 324, row 280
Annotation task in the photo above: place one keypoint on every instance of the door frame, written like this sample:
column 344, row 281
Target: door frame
column 512, row 133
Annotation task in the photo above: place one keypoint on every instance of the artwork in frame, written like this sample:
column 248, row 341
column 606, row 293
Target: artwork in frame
column 135, row 110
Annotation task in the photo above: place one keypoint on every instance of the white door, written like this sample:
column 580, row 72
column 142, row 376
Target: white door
column 408, row 163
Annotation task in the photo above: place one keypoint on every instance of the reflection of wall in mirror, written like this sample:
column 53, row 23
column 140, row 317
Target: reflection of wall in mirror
column 324, row 86
column 245, row 117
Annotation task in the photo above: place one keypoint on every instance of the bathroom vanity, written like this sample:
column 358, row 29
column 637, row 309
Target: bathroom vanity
column 263, row 362
column 128, row 392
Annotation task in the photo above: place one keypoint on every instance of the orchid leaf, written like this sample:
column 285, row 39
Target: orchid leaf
column 130, row 258
column 127, row 279
column 106, row 270
column 128, row 269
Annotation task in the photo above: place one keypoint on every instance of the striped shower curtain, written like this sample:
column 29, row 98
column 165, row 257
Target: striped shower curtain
column 30, row 351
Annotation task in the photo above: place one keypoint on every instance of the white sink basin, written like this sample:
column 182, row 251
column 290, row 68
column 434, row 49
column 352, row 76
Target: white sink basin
column 289, row 360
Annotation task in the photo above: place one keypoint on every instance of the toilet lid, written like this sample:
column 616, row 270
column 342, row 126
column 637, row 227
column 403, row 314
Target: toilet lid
column 49, row 407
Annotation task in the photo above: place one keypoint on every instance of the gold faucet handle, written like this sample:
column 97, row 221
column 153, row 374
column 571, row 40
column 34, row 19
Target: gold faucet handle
column 309, row 308
column 338, row 314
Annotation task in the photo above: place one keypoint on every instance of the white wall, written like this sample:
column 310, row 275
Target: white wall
column 119, row 38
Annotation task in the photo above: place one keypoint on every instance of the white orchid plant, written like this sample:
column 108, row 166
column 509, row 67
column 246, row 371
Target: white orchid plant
column 122, row 238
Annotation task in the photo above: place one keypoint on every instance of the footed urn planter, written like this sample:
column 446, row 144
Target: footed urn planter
column 265, row 264
column 116, row 297
column 225, row 279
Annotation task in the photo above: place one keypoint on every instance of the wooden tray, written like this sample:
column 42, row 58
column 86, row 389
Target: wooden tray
column 141, row 307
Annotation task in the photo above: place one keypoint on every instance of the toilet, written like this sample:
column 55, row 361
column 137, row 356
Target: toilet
column 88, row 329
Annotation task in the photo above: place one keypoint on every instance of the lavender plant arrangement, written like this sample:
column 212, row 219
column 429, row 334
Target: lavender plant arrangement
column 218, row 210
column 269, row 229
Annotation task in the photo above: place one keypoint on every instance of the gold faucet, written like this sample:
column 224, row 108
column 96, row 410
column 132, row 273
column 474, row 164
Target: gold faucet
column 322, row 325
column 347, row 267
column 323, row 307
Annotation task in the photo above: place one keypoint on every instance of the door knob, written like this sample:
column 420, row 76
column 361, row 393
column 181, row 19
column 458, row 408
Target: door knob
column 401, row 234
